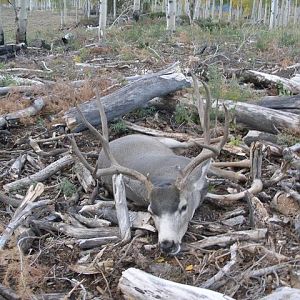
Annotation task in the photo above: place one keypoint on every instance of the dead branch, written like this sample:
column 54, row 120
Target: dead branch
column 96, row 242
column 292, row 85
column 121, row 207
column 8, row 294
column 225, row 270
column 32, row 110
column 41, row 175
column 137, row 284
column 23, row 211
column 229, row 238
column 35, row 146
column 76, row 232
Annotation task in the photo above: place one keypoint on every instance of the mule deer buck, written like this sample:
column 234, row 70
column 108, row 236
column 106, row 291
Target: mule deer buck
column 170, row 185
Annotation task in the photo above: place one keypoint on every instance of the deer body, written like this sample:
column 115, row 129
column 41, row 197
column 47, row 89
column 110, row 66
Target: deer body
column 171, row 207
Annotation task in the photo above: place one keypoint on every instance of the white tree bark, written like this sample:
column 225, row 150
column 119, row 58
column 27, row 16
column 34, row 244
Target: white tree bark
column 136, row 5
column 197, row 6
column 171, row 15
column 230, row 11
column 102, row 18
column 221, row 10
column 253, row 13
column 213, row 8
column 260, row 11
column 22, row 23
column 139, row 285
column 188, row 10
column 1, row 28
column 115, row 9
column 266, row 14
column 295, row 11
column 273, row 15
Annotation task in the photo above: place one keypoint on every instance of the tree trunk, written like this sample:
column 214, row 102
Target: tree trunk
column 197, row 6
column 136, row 9
column 1, row 29
column 263, row 119
column 284, row 103
column 230, row 11
column 273, row 15
column 21, row 21
column 171, row 15
column 295, row 12
column 133, row 95
column 220, row 10
column 102, row 18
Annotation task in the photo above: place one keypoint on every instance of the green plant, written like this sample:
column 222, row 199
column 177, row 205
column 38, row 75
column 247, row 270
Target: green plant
column 288, row 39
column 235, row 141
column 282, row 91
column 182, row 114
column 67, row 187
column 119, row 127
column 145, row 111
column 263, row 40
column 7, row 80
column 288, row 138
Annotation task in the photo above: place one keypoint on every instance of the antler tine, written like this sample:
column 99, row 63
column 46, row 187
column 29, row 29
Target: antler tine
column 115, row 168
column 209, row 151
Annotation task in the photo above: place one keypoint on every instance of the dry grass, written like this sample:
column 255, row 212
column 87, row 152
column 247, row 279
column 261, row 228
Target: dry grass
column 21, row 273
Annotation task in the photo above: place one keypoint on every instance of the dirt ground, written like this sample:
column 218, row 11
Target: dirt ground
column 52, row 263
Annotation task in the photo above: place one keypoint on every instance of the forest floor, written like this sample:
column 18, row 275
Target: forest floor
column 217, row 52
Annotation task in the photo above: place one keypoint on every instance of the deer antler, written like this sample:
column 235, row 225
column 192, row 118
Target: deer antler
column 208, row 151
column 115, row 168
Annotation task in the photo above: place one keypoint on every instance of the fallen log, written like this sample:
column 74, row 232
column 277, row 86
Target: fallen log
column 32, row 110
column 133, row 95
column 11, row 48
column 261, row 118
column 265, row 80
column 284, row 293
column 284, row 103
column 139, row 285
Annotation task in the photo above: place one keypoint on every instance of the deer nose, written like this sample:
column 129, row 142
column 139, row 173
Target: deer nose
column 168, row 247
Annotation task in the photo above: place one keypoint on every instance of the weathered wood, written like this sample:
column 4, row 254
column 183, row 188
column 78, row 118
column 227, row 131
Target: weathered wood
column 263, row 119
column 284, row 293
column 32, row 110
column 23, row 211
column 96, row 242
column 284, row 103
column 77, row 232
column 7, row 293
column 139, row 285
column 259, row 136
column 121, row 207
column 264, row 79
column 11, row 48
column 133, row 95
column 230, row 238
column 41, row 175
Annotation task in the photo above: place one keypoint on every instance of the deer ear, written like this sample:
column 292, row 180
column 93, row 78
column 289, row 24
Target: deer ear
column 197, row 179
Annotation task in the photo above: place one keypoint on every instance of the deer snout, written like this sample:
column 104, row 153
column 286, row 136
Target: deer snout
column 169, row 247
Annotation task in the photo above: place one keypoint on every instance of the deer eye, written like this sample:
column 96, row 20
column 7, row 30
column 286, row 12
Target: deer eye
column 183, row 208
